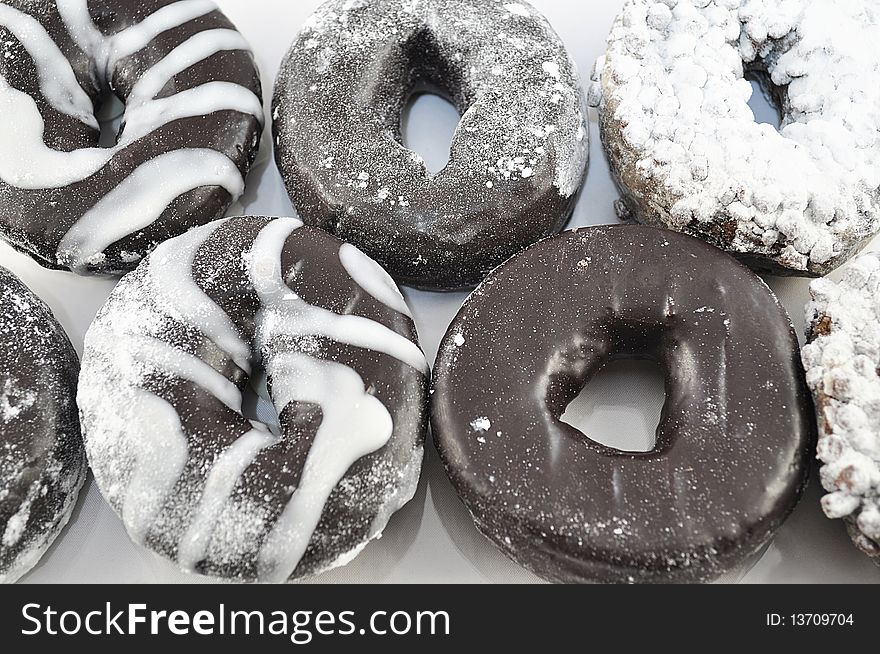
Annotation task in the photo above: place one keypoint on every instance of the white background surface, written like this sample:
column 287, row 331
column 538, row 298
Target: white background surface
column 433, row 539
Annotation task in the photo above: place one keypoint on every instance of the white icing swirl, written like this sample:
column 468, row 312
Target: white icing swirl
column 171, row 268
column 160, row 460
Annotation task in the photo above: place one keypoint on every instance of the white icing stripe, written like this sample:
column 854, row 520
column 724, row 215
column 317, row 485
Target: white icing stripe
column 223, row 478
column 197, row 48
column 284, row 313
column 142, row 198
column 354, row 425
column 364, row 333
column 171, row 270
column 169, row 359
column 82, row 29
column 107, row 51
column 34, row 165
column 26, row 161
column 199, row 101
column 57, row 80
column 137, row 37
column 158, row 466
column 371, row 277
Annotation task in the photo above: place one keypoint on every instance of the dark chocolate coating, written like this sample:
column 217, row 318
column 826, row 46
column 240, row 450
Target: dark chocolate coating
column 42, row 461
column 733, row 441
column 314, row 273
column 517, row 161
column 35, row 221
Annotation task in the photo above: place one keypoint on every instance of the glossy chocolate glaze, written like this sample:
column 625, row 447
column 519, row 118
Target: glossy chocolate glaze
column 517, row 161
column 35, row 221
column 42, row 461
column 363, row 499
column 733, row 441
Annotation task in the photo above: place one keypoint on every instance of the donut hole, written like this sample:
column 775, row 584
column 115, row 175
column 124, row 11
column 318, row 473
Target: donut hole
column 620, row 407
column 110, row 112
column 257, row 405
column 428, row 125
column 766, row 101
column 422, row 104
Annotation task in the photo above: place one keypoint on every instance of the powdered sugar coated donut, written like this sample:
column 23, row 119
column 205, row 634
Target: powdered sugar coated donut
column 685, row 148
column 842, row 363
column 517, row 161
column 161, row 398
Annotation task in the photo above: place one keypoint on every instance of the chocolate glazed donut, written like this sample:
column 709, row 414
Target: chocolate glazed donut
column 517, row 161
column 192, row 126
column 42, row 461
column 730, row 460
column 166, row 363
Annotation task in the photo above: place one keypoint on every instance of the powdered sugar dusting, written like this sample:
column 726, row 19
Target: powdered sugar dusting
column 481, row 425
column 522, row 132
column 517, row 9
column 42, row 465
column 15, row 526
column 14, row 400
column 842, row 363
column 675, row 116
column 532, row 51
column 218, row 493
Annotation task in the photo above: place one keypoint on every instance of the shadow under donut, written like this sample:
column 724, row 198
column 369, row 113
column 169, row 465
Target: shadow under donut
column 810, row 541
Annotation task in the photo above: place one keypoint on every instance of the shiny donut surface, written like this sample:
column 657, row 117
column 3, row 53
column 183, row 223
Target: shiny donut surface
column 731, row 454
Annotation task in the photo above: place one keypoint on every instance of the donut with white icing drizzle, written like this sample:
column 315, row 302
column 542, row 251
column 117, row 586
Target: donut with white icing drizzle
column 733, row 442
column 42, row 460
column 164, row 368
column 517, row 161
column 191, row 130
column 682, row 141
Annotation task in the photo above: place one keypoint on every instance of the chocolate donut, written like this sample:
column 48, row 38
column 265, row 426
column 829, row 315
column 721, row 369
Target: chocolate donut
column 842, row 361
column 688, row 155
column 192, row 126
column 165, row 365
column 42, row 461
column 517, row 161
column 732, row 446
